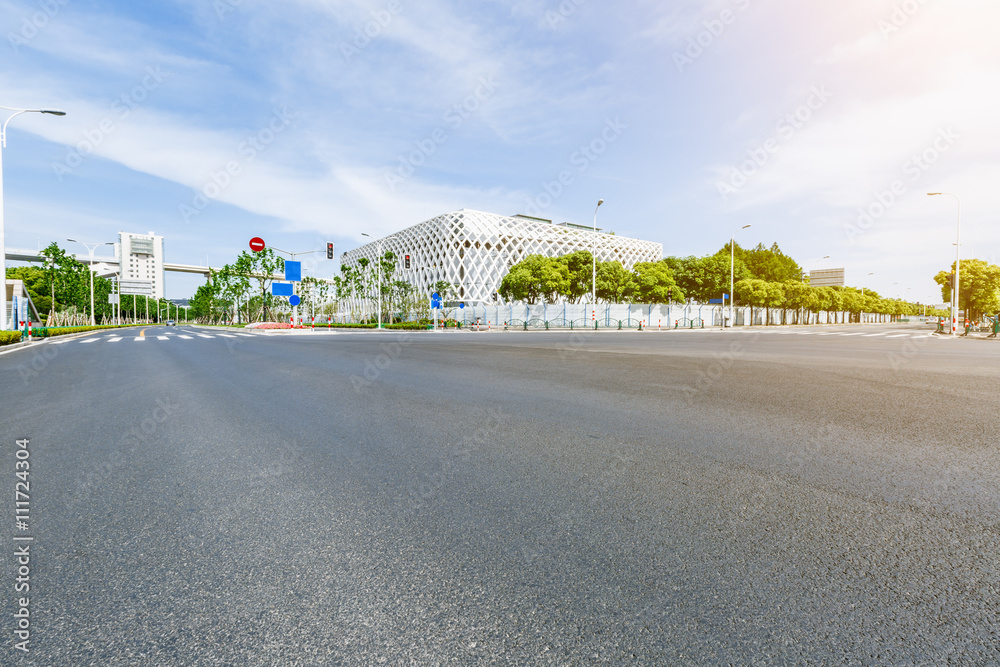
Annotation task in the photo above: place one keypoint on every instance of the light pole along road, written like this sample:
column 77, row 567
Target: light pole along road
column 378, row 262
column 91, row 247
column 955, row 304
column 3, row 245
column 732, row 260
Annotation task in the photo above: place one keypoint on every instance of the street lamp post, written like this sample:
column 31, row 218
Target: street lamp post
column 593, row 273
column 955, row 305
column 732, row 263
column 3, row 245
column 861, row 319
column 378, row 262
column 91, row 247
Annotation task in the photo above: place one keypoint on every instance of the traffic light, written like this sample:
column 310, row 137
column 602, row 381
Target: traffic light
column 406, row 262
column 329, row 251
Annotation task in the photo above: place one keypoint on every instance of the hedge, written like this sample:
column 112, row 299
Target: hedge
column 10, row 337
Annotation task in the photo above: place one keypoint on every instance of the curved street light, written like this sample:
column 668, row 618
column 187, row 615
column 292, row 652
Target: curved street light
column 3, row 245
column 91, row 247
column 593, row 256
column 955, row 306
column 732, row 262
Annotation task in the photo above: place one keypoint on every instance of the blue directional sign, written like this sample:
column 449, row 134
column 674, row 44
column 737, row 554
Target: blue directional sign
column 281, row 289
column 461, row 305
column 715, row 300
column 293, row 271
column 435, row 300
column 294, row 299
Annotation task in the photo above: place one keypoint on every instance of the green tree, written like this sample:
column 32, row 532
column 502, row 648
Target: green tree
column 580, row 268
column 614, row 282
column 652, row 281
column 979, row 287
column 704, row 278
column 536, row 278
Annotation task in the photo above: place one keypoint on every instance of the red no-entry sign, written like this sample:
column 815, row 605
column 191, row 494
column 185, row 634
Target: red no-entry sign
column 256, row 244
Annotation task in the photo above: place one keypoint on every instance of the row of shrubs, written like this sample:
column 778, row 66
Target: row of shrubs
column 10, row 337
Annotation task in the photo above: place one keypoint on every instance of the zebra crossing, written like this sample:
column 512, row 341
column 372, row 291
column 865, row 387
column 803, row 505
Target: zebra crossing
column 118, row 337
column 890, row 333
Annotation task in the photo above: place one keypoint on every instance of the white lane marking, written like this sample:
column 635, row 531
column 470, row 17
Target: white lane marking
column 881, row 333
column 898, row 335
column 205, row 336
column 90, row 340
column 140, row 338
column 161, row 337
column 184, row 337
column 114, row 339
column 246, row 335
column 226, row 335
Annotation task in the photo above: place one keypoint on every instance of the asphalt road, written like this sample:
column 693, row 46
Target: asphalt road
column 794, row 496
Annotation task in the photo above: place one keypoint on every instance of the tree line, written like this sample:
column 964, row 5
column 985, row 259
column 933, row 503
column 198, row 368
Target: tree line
column 764, row 278
column 60, row 290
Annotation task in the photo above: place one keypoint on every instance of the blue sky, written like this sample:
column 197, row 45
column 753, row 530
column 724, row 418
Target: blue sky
column 310, row 121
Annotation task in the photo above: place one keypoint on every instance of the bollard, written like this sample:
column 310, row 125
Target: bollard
column 595, row 325
column 546, row 325
column 526, row 325
column 640, row 325
column 619, row 325
column 659, row 325
column 675, row 323
column 29, row 331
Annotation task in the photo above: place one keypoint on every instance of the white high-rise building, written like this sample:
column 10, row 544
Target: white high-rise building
column 141, row 258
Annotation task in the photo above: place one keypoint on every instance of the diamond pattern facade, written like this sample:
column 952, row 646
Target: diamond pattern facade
column 473, row 250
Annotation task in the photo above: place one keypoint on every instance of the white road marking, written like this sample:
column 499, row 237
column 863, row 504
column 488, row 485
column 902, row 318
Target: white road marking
column 184, row 337
column 206, row 336
column 115, row 339
column 140, row 338
column 90, row 340
column 162, row 337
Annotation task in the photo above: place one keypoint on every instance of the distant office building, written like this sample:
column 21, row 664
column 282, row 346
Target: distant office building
column 474, row 250
column 826, row 277
column 141, row 258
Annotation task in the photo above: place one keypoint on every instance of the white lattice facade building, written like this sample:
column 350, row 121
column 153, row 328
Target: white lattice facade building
column 473, row 250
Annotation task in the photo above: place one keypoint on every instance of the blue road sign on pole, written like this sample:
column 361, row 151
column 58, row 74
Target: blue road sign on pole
column 281, row 289
column 294, row 299
column 435, row 300
column 293, row 271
